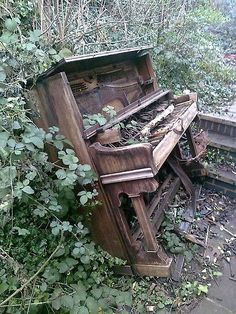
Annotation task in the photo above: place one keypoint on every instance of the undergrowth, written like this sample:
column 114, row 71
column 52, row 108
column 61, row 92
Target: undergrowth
column 48, row 262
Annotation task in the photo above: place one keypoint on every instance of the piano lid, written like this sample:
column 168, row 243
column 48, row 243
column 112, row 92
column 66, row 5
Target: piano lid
column 88, row 61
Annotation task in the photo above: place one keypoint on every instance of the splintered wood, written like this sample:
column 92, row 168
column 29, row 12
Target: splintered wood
column 152, row 124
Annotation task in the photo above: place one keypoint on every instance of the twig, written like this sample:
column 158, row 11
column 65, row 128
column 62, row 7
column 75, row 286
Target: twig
column 35, row 275
column 31, row 297
column 227, row 231
column 206, row 240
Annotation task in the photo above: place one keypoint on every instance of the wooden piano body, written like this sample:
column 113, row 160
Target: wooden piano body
column 129, row 175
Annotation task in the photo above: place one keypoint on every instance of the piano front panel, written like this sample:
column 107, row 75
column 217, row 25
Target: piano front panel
column 115, row 85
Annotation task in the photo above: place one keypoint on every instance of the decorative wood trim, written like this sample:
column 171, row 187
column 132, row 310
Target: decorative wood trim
column 158, row 270
column 127, row 176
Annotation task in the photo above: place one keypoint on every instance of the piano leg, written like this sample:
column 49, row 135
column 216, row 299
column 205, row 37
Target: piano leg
column 144, row 222
column 148, row 258
column 153, row 261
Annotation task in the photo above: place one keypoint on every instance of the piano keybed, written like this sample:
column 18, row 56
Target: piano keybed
column 130, row 129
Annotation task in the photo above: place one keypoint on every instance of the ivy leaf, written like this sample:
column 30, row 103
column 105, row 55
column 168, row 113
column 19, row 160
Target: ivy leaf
column 67, row 301
column 11, row 25
column 3, row 287
column 97, row 293
column 58, row 144
column 28, row 190
column 65, row 52
column 202, row 288
column 34, row 35
column 161, row 305
column 85, row 259
column 7, row 175
column 51, row 275
column 30, row 46
column 43, row 287
column 37, row 141
column 31, row 175
column 63, row 267
column 83, row 199
column 83, row 310
column 86, row 167
column 39, row 212
column 2, row 74
column 61, row 174
column 56, row 304
column 56, row 230
column 22, row 231
column 73, row 166
column 4, row 136
column 16, row 125
column 92, row 305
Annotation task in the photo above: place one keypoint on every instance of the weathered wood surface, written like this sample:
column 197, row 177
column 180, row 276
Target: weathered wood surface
column 160, row 208
column 153, row 205
column 129, row 86
column 187, row 183
column 192, row 145
column 164, row 148
column 145, row 224
column 130, row 188
column 109, row 136
column 128, row 111
column 57, row 107
column 113, row 160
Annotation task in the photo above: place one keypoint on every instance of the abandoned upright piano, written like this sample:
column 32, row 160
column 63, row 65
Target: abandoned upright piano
column 111, row 108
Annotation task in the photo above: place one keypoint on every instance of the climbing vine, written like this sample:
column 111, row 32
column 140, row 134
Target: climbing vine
column 47, row 260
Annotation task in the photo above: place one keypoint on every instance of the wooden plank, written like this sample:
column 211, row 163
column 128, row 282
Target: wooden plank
column 157, row 197
column 58, row 108
column 191, row 142
column 154, row 270
column 115, row 160
column 168, row 198
column 159, row 212
column 182, row 175
column 178, row 267
column 153, row 205
column 145, row 224
column 164, row 148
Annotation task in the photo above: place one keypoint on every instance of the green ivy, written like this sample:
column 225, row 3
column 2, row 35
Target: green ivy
column 43, row 239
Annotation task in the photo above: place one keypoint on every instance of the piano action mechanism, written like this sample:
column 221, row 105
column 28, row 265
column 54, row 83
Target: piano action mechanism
column 135, row 153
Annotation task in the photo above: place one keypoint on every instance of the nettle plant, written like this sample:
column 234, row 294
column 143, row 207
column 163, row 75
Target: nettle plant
column 47, row 259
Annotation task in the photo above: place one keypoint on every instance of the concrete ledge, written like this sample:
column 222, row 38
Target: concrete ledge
column 219, row 119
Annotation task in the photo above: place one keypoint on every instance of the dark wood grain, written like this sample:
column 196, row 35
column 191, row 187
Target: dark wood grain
column 112, row 160
column 57, row 107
